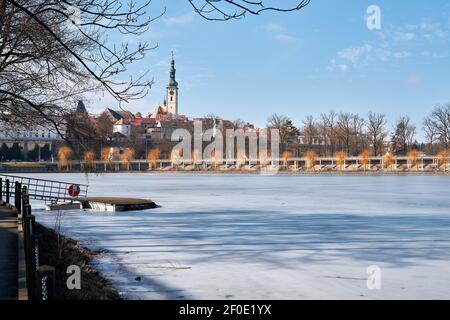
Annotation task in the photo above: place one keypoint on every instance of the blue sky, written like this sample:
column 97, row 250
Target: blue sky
column 307, row 62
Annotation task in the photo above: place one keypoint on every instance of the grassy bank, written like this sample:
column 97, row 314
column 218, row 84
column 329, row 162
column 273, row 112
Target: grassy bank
column 61, row 252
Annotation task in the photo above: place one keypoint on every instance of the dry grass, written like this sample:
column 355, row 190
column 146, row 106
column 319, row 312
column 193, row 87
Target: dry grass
column 175, row 157
column 388, row 161
column 413, row 157
column 64, row 156
column 214, row 160
column 443, row 158
column 311, row 158
column 263, row 159
column 127, row 156
column 89, row 158
column 153, row 157
column 286, row 156
column 364, row 158
column 241, row 159
column 194, row 157
column 106, row 154
column 61, row 252
column 340, row 158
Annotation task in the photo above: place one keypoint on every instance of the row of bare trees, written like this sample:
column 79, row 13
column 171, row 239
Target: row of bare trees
column 332, row 131
column 352, row 133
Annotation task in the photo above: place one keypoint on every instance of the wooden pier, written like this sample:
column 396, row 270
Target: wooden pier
column 111, row 204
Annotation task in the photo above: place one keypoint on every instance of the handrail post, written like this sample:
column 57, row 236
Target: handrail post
column 18, row 196
column 30, row 259
column 45, row 282
column 24, row 199
column 7, row 191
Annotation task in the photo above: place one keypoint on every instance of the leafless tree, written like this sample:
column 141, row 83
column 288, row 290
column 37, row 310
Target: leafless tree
column 350, row 132
column 54, row 51
column 344, row 130
column 439, row 120
column 223, row 10
column 358, row 137
column 238, row 123
column 288, row 132
column 403, row 137
column 328, row 127
column 431, row 132
column 309, row 130
column 376, row 131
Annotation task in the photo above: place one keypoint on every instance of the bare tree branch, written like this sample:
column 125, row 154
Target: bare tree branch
column 223, row 10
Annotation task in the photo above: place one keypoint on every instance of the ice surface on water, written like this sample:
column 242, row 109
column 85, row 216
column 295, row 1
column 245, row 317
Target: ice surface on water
column 268, row 237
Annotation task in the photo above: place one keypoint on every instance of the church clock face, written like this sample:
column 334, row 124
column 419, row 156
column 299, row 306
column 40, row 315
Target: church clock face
column 171, row 92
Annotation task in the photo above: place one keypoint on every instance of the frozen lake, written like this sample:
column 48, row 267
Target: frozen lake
column 269, row 237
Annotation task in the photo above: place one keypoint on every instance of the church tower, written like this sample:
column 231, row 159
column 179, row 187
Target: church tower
column 172, row 91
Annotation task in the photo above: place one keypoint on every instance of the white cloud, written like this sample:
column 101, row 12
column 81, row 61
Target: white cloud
column 402, row 54
column 183, row 19
column 335, row 66
column 395, row 43
column 353, row 54
column 413, row 80
column 404, row 36
column 343, row 67
column 273, row 27
column 277, row 32
column 284, row 37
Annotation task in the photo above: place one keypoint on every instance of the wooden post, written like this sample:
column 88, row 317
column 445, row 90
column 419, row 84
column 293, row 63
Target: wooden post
column 45, row 282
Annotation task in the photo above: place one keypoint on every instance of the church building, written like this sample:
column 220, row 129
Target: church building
column 169, row 108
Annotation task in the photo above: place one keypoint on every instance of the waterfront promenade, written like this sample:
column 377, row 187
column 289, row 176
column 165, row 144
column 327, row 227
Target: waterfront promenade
column 293, row 165
column 8, row 254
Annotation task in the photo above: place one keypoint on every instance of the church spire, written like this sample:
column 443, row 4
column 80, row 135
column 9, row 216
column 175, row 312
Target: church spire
column 172, row 91
column 172, row 81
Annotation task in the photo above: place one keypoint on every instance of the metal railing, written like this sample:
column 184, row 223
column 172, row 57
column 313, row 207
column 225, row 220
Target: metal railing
column 45, row 190
column 40, row 279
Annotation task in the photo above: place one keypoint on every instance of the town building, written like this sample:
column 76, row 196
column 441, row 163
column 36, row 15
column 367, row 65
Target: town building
column 27, row 143
column 160, row 123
